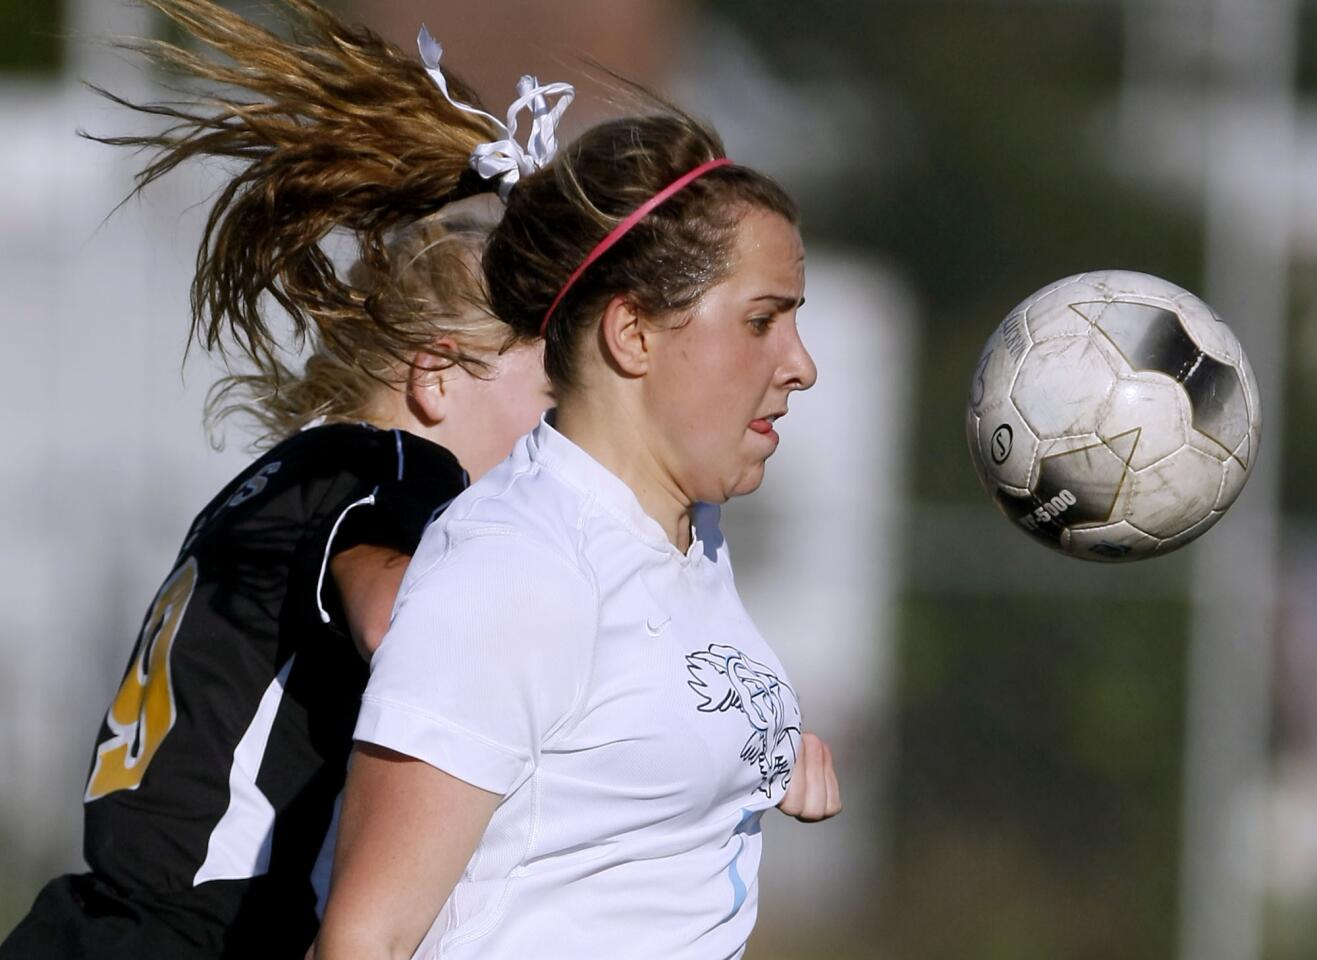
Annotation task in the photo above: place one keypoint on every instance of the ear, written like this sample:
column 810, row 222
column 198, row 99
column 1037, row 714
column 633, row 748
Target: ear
column 427, row 394
column 623, row 334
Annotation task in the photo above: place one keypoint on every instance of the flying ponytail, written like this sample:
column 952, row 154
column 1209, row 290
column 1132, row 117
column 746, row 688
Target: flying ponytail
column 333, row 130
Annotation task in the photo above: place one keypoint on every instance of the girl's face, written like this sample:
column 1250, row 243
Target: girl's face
column 718, row 382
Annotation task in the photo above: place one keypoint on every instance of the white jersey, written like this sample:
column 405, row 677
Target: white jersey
column 551, row 645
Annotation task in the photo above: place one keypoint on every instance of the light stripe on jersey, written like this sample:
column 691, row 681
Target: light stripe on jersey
column 239, row 845
column 365, row 501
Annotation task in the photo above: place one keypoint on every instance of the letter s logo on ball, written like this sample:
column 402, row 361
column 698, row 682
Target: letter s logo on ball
column 1000, row 445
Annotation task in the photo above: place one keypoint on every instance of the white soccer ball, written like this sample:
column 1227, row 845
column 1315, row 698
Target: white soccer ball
column 1113, row 416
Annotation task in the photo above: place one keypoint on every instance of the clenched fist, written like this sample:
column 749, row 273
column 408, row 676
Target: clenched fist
column 814, row 794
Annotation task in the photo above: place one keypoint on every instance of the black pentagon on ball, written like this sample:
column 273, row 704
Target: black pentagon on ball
column 1153, row 338
column 1074, row 488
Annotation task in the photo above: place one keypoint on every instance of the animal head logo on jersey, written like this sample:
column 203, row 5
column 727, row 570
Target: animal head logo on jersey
column 726, row 679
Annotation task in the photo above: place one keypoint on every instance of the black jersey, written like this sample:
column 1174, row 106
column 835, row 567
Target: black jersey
column 215, row 778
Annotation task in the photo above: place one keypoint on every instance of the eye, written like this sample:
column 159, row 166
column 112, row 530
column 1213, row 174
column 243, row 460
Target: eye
column 761, row 322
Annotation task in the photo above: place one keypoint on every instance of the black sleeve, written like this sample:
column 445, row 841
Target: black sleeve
column 384, row 488
column 398, row 515
column 424, row 479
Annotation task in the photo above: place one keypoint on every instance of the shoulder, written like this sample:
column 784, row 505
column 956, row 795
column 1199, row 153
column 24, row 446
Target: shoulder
column 366, row 451
column 325, row 455
column 292, row 479
column 524, row 507
column 421, row 459
column 332, row 438
column 507, row 566
column 338, row 466
column 306, row 485
column 510, row 543
column 490, row 652
column 496, row 600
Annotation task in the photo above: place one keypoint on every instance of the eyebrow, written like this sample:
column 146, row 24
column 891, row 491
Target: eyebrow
column 782, row 303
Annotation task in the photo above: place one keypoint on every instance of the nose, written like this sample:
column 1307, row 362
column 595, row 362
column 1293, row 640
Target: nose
column 798, row 371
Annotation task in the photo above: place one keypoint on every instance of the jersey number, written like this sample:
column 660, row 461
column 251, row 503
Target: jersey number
column 143, row 710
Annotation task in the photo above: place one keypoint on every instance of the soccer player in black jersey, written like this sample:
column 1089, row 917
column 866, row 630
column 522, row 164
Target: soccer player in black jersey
column 213, row 787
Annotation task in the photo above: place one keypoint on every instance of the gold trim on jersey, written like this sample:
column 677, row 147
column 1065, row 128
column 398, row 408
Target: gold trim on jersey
column 143, row 711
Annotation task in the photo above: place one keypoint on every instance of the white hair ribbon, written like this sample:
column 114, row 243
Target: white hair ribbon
column 507, row 159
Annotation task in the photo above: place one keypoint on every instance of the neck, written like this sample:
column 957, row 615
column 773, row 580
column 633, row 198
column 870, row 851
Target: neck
column 390, row 411
column 608, row 432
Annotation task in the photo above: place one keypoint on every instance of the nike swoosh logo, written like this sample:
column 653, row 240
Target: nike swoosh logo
column 654, row 629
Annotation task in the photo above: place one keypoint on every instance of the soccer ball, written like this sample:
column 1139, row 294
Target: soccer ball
column 1113, row 416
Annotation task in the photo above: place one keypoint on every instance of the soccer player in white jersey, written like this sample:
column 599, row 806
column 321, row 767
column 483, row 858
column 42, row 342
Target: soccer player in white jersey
column 572, row 729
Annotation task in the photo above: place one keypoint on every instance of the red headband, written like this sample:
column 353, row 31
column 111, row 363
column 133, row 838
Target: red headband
column 619, row 231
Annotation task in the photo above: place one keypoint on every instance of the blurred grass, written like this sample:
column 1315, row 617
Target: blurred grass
column 1036, row 808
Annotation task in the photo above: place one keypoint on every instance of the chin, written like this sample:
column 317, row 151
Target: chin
column 748, row 483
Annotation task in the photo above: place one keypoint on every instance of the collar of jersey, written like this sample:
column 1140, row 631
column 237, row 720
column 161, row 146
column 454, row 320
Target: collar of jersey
column 601, row 487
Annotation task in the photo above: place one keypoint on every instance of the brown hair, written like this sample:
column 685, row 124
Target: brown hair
column 336, row 130
column 433, row 288
column 666, row 262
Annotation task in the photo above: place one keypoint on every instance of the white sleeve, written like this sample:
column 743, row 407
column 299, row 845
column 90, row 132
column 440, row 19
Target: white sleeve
column 488, row 652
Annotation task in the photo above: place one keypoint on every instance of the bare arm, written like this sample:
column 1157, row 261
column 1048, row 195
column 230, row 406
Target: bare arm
column 406, row 832
column 367, row 578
